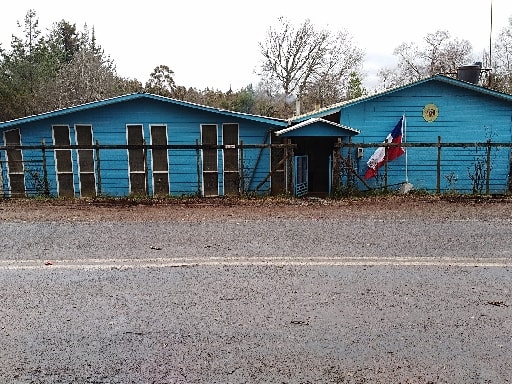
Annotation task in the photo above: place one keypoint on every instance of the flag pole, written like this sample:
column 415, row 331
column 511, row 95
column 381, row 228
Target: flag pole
column 404, row 128
column 406, row 187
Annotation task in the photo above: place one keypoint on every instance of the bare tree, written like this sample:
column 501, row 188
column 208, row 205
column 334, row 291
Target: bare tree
column 304, row 61
column 502, row 61
column 440, row 54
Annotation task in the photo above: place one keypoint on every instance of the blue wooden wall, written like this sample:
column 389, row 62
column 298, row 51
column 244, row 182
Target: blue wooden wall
column 465, row 116
column 109, row 128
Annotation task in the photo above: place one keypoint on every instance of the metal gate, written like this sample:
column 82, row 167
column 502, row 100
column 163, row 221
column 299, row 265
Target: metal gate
column 300, row 165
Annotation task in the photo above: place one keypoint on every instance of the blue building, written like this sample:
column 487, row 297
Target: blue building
column 438, row 107
column 102, row 147
column 99, row 148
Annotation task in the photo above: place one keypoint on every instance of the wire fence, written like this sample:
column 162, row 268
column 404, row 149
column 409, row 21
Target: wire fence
column 110, row 170
column 478, row 168
column 123, row 170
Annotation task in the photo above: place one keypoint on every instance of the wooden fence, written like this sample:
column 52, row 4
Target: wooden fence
column 482, row 167
column 37, row 166
column 434, row 167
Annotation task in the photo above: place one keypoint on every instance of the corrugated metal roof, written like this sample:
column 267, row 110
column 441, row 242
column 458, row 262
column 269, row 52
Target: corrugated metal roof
column 134, row 96
column 316, row 120
column 442, row 78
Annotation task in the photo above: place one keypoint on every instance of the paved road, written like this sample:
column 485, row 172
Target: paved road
column 323, row 300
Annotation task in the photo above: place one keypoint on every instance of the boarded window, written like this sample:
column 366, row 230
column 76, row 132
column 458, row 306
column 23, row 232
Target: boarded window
column 136, row 160
column 160, row 160
column 231, row 176
column 15, row 163
column 210, row 170
column 63, row 162
column 85, row 161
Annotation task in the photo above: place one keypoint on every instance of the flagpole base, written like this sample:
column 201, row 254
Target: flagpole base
column 406, row 188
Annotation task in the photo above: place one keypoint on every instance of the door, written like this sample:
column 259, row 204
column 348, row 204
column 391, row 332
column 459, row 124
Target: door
column 300, row 172
column 318, row 150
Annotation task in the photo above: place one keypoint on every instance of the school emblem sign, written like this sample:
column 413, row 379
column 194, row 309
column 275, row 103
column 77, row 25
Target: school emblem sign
column 430, row 112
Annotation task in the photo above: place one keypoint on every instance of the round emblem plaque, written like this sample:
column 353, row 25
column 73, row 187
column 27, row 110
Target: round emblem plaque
column 430, row 112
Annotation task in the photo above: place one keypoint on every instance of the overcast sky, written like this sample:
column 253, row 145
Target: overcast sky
column 214, row 43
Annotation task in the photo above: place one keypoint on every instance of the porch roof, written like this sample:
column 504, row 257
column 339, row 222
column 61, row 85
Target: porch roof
column 317, row 127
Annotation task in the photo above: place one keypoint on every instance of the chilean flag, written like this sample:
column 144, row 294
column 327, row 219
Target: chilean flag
column 378, row 158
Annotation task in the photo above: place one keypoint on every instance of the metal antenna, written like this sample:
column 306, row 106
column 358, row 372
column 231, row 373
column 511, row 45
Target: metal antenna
column 489, row 80
column 490, row 41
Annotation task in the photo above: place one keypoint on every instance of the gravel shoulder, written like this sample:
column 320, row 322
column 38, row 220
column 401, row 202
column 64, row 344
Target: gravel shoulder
column 192, row 209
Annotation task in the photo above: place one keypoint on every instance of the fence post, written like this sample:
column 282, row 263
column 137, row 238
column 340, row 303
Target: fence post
column 46, row 185
column 98, row 168
column 488, row 173
column 242, row 173
column 438, row 171
column 198, row 168
column 145, row 159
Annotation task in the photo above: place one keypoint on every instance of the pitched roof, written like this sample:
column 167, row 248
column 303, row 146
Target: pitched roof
column 349, row 131
column 135, row 96
column 441, row 78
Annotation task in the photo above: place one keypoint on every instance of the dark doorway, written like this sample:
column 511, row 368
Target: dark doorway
column 318, row 150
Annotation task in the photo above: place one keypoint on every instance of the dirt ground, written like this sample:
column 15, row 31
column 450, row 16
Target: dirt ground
column 194, row 209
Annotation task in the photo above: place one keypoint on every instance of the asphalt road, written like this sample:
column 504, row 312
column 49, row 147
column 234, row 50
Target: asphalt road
column 367, row 299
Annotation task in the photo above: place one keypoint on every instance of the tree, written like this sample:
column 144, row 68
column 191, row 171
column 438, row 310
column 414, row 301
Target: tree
column 65, row 39
column 23, row 70
column 64, row 68
column 355, row 87
column 502, row 60
column 90, row 75
column 304, row 61
column 440, row 54
column 161, row 82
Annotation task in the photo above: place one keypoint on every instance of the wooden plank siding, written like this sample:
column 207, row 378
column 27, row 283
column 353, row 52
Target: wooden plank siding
column 109, row 125
column 464, row 116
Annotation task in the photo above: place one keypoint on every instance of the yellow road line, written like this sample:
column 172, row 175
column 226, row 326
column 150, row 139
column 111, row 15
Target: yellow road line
column 254, row 261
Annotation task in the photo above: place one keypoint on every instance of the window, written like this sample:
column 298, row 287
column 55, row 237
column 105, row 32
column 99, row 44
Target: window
column 136, row 160
column 160, row 160
column 86, row 176
column 15, row 166
column 231, row 176
column 210, row 169
column 63, row 162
